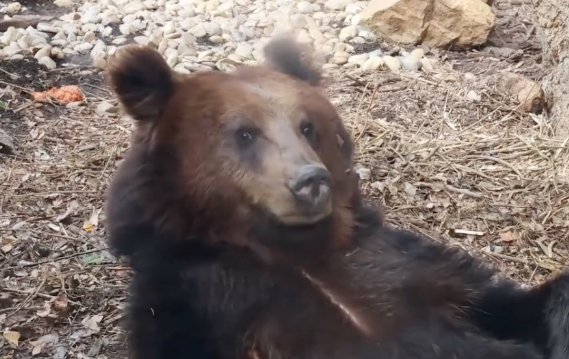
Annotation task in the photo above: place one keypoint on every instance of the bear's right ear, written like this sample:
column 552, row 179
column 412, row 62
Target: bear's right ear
column 288, row 56
column 142, row 80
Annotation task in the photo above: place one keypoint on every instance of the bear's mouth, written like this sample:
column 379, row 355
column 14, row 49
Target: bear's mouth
column 304, row 218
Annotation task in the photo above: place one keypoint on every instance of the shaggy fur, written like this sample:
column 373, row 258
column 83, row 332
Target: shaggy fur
column 227, row 267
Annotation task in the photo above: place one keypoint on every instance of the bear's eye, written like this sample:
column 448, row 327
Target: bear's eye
column 245, row 135
column 307, row 129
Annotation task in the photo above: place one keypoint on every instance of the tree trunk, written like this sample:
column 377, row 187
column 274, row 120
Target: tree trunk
column 553, row 20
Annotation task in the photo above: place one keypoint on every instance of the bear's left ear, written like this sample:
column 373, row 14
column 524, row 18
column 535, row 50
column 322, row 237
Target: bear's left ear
column 286, row 55
column 142, row 80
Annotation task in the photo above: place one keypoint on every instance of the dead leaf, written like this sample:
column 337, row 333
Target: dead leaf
column 410, row 189
column 92, row 222
column 71, row 208
column 506, row 237
column 44, row 340
column 92, row 322
column 42, row 313
column 8, row 241
column 12, row 337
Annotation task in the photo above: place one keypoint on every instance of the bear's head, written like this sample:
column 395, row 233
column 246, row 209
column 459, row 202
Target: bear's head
column 256, row 158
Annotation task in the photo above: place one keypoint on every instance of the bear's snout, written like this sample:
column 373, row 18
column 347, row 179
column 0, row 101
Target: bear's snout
column 311, row 188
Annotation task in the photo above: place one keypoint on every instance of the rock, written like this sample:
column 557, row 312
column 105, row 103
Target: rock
column 12, row 49
column 25, row 42
column 244, row 50
column 402, row 21
column 358, row 59
column 99, row 61
column 411, row 63
column 57, row 53
column 427, row 65
column 376, row 53
column 198, row 31
column 304, row 7
column 43, row 27
column 418, row 53
column 212, row 29
column 217, row 39
column 11, row 35
column 89, row 36
column 372, row 64
column 172, row 57
column 12, row 8
column 353, row 9
column 348, row 32
column 469, row 76
column 141, row 40
column 83, row 47
column 44, row 51
column 105, row 108
column 132, row 7
column 463, row 23
column 63, row 3
column 392, row 63
column 47, row 62
column 340, row 57
column 473, row 96
column 364, row 173
column 336, row 4
column 528, row 93
column 169, row 28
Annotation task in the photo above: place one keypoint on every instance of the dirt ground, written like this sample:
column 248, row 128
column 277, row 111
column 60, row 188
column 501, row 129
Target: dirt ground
column 478, row 173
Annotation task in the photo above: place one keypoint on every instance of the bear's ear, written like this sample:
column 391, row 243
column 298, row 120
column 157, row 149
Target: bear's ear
column 142, row 80
column 292, row 58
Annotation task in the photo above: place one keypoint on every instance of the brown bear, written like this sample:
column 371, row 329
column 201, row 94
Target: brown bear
column 239, row 210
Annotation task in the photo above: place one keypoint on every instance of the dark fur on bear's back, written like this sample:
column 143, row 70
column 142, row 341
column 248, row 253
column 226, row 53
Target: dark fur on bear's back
column 218, row 275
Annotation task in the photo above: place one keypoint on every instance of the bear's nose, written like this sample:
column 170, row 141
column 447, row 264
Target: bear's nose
column 311, row 187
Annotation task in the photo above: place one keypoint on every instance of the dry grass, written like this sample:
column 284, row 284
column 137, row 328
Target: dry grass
column 479, row 174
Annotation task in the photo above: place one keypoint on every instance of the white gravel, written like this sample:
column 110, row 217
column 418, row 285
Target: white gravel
column 198, row 35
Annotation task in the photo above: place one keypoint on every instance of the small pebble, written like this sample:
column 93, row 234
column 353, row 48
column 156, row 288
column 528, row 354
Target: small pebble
column 418, row 53
column 473, row 96
column 411, row 63
column 426, row 65
column 364, row 173
column 47, row 62
column 348, row 32
column 392, row 63
column 105, row 108
column 244, row 50
column 372, row 64
column 358, row 59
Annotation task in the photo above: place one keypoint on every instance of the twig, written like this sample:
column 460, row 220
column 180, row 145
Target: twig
column 499, row 160
column 57, row 259
column 30, row 297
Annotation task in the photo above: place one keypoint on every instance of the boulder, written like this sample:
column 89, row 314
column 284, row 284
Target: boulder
column 402, row 21
column 463, row 23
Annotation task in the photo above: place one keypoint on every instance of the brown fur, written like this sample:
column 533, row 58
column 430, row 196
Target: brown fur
column 192, row 115
column 227, row 267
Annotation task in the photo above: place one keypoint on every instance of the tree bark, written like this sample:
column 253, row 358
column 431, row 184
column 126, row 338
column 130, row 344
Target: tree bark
column 553, row 20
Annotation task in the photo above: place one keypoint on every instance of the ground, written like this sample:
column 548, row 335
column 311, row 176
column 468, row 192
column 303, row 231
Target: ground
column 471, row 171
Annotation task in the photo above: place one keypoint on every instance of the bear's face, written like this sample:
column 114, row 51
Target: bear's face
column 263, row 139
